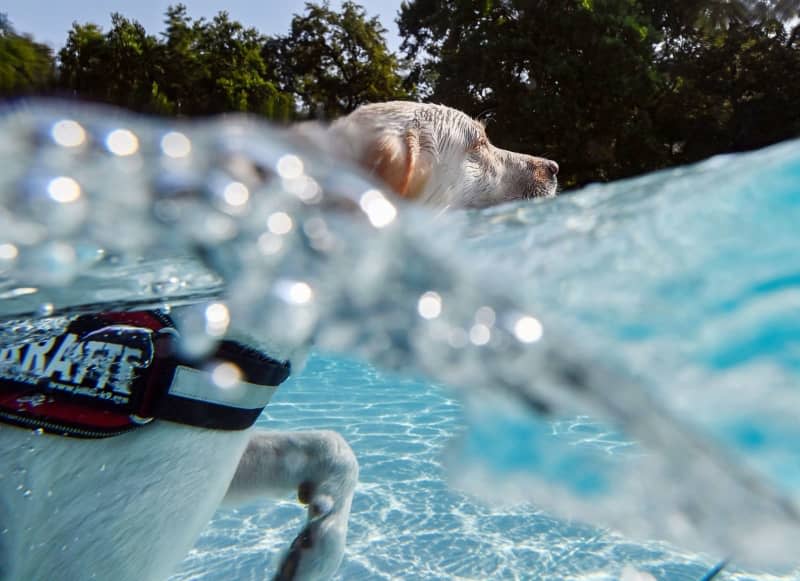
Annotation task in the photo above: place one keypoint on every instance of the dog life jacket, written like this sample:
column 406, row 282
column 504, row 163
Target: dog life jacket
column 100, row 375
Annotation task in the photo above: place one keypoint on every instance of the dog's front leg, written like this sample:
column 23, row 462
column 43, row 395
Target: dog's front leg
column 322, row 469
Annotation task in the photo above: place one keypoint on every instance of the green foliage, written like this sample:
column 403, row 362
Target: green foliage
column 731, row 91
column 25, row 66
column 328, row 65
column 122, row 66
column 335, row 61
column 196, row 68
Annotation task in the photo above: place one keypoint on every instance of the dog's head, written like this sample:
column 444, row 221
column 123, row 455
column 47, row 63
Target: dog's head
column 441, row 156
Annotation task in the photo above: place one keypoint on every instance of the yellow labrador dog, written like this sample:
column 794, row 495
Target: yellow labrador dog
column 116, row 449
column 439, row 156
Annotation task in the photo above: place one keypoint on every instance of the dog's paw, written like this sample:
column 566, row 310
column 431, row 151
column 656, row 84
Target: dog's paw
column 315, row 552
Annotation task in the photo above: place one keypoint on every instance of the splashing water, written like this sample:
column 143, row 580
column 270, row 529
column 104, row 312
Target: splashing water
column 665, row 307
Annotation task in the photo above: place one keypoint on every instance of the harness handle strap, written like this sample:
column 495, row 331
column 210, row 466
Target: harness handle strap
column 228, row 392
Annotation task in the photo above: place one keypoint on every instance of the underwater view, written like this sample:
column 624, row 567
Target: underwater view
column 586, row 387
column 407, row 521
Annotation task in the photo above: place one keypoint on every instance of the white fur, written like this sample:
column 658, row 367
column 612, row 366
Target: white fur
column 130, row 507
column 438, row 155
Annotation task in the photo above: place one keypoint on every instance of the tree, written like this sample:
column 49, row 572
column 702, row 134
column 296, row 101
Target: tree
column 25, row 66
column 232, row 74
column 197, row 68
column 333, row 62
column 182, row 67
column 122, row 67
column 729, row 89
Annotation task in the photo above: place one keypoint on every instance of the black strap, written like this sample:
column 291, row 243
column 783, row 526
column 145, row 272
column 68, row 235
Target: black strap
column 257, row 368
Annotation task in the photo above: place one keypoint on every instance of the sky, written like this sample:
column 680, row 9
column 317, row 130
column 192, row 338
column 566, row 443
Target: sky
column 49, row 20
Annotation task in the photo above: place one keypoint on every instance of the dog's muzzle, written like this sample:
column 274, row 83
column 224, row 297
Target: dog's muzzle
column 100, row 375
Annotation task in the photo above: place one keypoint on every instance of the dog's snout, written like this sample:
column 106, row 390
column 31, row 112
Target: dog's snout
column 543, row 169
column 544, row 183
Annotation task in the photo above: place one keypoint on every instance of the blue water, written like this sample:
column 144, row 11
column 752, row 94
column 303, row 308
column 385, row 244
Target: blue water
column 407, row 522
column 660, row 400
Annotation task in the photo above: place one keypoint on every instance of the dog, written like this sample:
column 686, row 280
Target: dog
column 437, row 155
column 115, row 451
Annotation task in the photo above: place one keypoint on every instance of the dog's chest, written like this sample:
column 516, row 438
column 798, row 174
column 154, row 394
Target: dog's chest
column 127, row 507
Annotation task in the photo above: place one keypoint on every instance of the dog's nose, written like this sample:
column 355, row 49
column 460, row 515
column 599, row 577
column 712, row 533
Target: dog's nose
column 552, row 167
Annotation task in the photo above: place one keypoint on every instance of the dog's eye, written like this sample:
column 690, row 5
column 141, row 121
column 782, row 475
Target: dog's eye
column 479, row 143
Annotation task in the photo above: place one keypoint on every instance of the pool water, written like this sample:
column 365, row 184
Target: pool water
column 626, row 356
column 407, row 522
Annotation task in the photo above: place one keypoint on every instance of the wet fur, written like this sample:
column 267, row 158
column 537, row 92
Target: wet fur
column 439, row 156
column 130, row 507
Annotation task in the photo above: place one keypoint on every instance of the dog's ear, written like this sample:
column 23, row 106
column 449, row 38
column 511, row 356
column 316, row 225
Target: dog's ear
column 399, row 161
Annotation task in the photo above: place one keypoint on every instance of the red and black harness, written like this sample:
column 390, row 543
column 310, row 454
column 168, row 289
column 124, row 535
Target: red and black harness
column 100, row 375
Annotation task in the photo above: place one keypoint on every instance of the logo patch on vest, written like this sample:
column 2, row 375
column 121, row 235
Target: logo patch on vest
column 101, row 364
column 89, row 374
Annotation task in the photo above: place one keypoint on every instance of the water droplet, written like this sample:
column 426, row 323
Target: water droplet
column 280, row 223
column 122, row 142
column 294, row 292
column 8, row 252
column 236, row 194
column 304, row 187
column 290, row 167
column 380, row 211
column 429, row 305
column 68, row 133
column 176, row 145
column 480, row 334
column 64, row 190
column 226, row 375
column 528, row 329
column 217, row 319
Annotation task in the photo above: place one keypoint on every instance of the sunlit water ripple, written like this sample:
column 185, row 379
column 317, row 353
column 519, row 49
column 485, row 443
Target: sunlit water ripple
column 407, row 523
